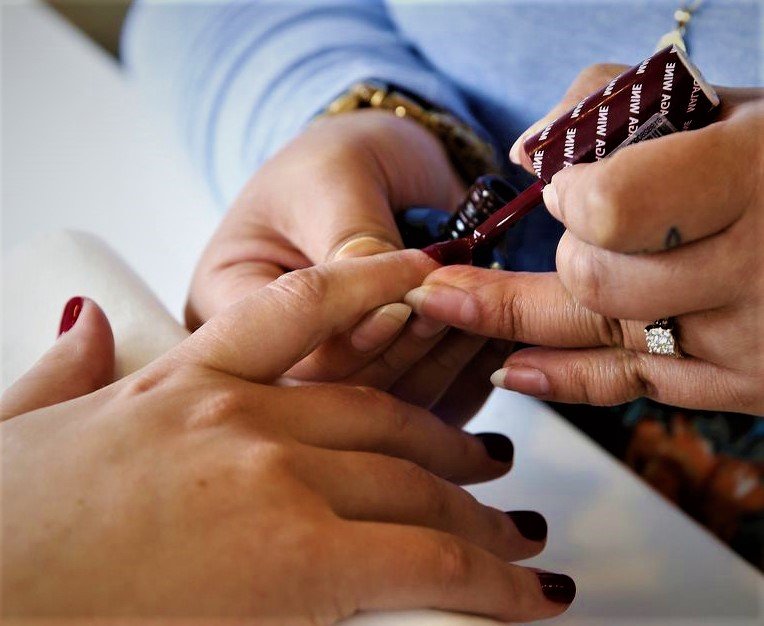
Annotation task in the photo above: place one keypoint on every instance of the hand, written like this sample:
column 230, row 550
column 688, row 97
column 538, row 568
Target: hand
column 195, row 487
column 332, row 193
column 668, row 227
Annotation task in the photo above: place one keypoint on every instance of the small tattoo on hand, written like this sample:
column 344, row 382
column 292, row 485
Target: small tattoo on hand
column 673, row 238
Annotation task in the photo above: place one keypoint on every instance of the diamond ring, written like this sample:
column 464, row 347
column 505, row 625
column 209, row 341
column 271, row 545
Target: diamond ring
column 660, row 338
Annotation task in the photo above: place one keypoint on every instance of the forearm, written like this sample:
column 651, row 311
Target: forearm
column 241, row 80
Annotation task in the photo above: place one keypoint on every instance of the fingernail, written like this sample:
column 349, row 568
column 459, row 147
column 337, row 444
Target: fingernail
column 527, row 380
column 514, row 151
column 445, row 303
column 498, row 447
column 550, row 199
column 425, row 328
column 366, row 245
column 530, row 524
column 71, row 312
column 557, row 587
column 380, row 326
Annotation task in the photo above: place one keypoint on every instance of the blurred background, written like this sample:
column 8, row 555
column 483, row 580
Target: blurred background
column 100, row 20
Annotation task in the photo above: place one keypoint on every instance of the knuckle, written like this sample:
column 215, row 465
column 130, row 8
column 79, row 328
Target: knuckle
column 264, row 458
column 584, row 275
column 468, row 447
column 579, row 377
column 150, row 378
column 496, row 524
column 453, row 564
column 396, row 416
column 610, row 331
column 603, row 218
column 508, row 314
column 414, row 475
column 438, row 502
column 628, row 380
column 518, row 598
column 371, row 396
column 434, row 499
column 400, row 421
column 308, row 287
column 633, row 335
column 638, row 380
column 365, row 393
column 217, row 406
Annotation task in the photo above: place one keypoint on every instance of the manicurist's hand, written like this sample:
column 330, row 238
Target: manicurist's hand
column 670, row 227
column 199, row 488
column 332, row 193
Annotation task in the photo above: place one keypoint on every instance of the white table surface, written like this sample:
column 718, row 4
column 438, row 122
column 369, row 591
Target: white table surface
column 78, row 152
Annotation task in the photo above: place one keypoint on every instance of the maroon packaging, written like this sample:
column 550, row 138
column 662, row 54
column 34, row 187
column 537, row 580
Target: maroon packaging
column 664, row 94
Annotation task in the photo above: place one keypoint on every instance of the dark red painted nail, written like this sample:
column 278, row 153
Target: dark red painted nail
column 71, row 313
column 557, row 587
column 530, row 524
column 498, row 447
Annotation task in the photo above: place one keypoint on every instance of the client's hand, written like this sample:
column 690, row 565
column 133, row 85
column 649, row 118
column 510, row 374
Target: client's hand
column 671, row 227
column 197, row 488
column 332, row 193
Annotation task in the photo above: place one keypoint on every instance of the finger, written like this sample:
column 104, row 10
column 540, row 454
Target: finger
column 663, row 284
column 471, row 388
column 217, row 290
column 734, row 97
column 358, row 487
column 517, row 306
column 380, row 327
column 81, row 361
column 429, row 568
column 587, row 82
column 342, row 356
column 658, row 194
column 537, row 308
column 426, row 381
column 367, row 420
column 610, row 376
column 390, row 364
column 264, row 335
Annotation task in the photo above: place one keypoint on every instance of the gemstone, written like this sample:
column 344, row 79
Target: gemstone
column 660, row 340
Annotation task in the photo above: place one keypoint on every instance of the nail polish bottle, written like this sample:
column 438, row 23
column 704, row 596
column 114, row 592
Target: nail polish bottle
column 663, row 94
column 423, row 226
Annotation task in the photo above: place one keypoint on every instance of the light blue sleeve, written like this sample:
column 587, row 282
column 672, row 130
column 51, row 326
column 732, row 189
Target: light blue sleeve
column 240, row 79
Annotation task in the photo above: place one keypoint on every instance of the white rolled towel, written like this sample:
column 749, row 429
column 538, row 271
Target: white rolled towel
column 39, row 276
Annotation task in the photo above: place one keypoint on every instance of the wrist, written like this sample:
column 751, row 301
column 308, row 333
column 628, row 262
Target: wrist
column 470, row 155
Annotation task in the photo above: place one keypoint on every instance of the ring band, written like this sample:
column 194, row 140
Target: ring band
column 660, row 338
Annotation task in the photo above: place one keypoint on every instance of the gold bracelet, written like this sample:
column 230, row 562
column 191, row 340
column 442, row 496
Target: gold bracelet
column 469, row 154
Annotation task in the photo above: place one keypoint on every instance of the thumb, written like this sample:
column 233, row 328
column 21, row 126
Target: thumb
column 81, row 361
